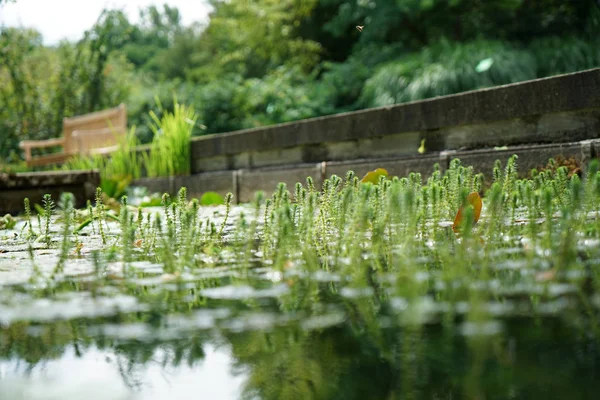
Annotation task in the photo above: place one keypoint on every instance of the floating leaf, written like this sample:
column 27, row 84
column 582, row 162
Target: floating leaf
column 484, row 65
column 153, row 201
column 373, row 176
column 473, row 200
column 211, row 199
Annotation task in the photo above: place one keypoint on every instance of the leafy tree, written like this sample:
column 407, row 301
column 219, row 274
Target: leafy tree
column 253, row 38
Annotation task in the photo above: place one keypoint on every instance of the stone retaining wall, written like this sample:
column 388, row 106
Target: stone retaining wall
column 244, row 183
column 537, row 120
column 14, row 188
column 560, row 109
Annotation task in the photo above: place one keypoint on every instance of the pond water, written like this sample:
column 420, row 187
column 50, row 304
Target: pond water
column 112, row 330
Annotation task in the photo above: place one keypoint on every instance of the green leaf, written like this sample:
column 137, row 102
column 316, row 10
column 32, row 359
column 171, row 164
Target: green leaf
column 39, row 209
column 211, row 199
column 484, row 65
column 83, row 225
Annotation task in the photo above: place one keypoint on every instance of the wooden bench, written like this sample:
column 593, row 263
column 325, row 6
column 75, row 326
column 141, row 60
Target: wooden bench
column 95, row 133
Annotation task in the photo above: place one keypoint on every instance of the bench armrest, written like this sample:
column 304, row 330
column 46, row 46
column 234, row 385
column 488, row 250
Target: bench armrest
column 34, row 144
column 27, row 145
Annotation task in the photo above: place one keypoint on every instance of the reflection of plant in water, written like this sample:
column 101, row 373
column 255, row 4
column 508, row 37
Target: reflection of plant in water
column 131, row 356
column 287, row 364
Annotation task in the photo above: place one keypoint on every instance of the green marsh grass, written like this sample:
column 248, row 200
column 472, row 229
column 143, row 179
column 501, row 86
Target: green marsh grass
column 170, row 150
column 372, row 227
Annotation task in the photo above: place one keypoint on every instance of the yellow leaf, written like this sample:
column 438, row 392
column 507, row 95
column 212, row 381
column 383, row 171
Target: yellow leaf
column 422, row 147
column 373, row 176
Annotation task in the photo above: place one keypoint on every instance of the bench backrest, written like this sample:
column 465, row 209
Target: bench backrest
column 112, row 121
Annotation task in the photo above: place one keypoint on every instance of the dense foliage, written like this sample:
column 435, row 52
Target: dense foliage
column 271, row 61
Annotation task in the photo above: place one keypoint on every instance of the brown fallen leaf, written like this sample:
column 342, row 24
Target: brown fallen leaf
column 545, row 276
column 138, row 243
column 473, row 200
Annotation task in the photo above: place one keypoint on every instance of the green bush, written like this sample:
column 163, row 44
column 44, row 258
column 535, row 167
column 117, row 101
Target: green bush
column 283, row 95
column 222, row 105
column 560, row 55
column 446, row 69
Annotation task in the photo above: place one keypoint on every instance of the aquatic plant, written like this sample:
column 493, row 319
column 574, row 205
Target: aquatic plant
column 48, row 211
column 7, row 222
column 396, row 270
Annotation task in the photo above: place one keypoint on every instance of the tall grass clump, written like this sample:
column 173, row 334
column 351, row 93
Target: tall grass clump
column 450, row 67
column 560, row 55
column 446, row 69
column 170, row 148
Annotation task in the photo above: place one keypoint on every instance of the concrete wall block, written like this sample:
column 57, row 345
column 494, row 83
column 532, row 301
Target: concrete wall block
column 207, row 164
column 529, row 157
column 287, row 156
column 395, row 167
column 267, row 180
column 398, row 144
column 242, row 160
column 548, row 128
column 337, row 151
column 14, row 188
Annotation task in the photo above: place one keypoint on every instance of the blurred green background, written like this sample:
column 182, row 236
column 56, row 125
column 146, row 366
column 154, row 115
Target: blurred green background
column 262, row 62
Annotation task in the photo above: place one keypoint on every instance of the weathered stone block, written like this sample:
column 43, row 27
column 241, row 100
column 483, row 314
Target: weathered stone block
column 529, row 157
column 205, row 164
column 267, row 180
column 287, row 156
column 14, row 188
column 547, row 128
column 395, row 167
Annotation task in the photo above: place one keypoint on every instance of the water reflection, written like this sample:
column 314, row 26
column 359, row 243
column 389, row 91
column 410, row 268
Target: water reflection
column 115, row 373
column 299, row 336
column 364, row 350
